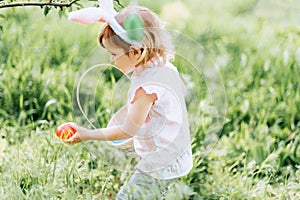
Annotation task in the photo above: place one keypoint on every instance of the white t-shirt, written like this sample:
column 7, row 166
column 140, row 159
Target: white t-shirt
column 163, row 142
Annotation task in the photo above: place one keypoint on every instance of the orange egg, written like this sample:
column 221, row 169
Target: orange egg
column 65, row 131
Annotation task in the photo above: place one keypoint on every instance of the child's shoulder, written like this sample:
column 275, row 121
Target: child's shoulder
column 167, row 70
column 171, row 66
column 167, row 67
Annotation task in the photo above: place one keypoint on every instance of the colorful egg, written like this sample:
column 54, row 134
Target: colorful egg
column 65, row 131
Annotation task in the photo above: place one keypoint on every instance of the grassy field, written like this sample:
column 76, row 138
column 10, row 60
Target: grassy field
column 255, row 45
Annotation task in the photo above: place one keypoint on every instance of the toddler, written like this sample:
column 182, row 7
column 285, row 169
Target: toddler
column 154, row 118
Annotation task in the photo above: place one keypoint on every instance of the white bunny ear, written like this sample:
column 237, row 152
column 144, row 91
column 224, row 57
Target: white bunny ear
column 108, row 5
column 87, row 15
column 106, row 13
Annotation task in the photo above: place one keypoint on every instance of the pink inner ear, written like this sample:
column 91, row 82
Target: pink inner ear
column 101, row 20
column 87, row 15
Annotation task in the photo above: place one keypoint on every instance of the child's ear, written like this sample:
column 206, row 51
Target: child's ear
column 135, row 52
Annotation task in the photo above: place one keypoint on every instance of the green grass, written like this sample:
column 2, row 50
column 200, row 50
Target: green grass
column 257, row 154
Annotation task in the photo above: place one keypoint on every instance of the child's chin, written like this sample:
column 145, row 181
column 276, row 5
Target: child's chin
column 127, row 71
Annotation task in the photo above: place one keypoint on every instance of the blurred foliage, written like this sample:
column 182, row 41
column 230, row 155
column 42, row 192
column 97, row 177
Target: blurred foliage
column 46, row 6
column 255, row 45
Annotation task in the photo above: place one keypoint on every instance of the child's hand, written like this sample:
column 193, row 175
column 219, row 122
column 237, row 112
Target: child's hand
column 82, row 134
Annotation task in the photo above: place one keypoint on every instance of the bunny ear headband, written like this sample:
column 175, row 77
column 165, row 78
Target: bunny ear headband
column 133, row 31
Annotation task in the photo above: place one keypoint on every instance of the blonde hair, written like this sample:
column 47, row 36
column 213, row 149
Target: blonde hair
column 156, row 41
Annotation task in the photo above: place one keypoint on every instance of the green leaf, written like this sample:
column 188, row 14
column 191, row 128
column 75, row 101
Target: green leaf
column 46, row 10
column 1, row 27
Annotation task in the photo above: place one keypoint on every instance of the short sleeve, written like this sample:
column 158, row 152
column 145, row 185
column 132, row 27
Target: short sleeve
column 167, row 103
column 159, row 91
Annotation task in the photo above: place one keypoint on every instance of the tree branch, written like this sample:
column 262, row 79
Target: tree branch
column 41, row 4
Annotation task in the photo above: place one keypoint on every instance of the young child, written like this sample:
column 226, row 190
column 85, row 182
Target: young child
column 155, row 114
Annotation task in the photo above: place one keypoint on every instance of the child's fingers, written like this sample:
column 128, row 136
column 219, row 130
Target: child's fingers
column 69, row 141
column 74, row 139
column 79, row 129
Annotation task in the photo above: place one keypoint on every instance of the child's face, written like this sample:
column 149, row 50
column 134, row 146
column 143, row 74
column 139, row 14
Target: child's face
column 123, row 60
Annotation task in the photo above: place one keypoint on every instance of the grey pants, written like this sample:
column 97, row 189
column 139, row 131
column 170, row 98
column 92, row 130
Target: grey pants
column 144, row 187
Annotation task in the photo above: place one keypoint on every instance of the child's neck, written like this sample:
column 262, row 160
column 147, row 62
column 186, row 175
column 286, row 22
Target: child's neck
column 154, row 61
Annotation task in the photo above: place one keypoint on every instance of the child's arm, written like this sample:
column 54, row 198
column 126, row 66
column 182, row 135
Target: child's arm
column 138, row 111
